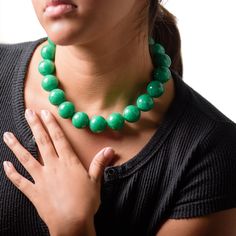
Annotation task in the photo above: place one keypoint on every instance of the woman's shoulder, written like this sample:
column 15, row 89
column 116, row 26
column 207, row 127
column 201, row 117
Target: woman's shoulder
column 199, row 114
column 13, row 50
column 13, row 56
column 202, row 127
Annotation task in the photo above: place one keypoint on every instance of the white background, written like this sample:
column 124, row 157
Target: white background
column 208, row 31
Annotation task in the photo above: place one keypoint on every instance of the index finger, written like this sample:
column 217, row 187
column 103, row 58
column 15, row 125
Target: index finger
column 61, row 144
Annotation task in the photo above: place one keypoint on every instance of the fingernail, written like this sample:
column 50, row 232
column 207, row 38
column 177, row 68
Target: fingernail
column 7, row 137
column 108, row 152
column 45, row 114
column 7, row 164
column 29, row 114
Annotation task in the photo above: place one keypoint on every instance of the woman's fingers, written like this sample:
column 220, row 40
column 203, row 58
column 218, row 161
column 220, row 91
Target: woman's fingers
column 57, row 135
column 25, row 158
column 23, row 184
column 99, row 162
column 42, row 138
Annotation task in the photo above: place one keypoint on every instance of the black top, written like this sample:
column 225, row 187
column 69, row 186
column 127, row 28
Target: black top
column 187, row 169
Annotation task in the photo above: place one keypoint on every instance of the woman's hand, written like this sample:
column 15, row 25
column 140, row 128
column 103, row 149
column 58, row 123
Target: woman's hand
column 65, row 195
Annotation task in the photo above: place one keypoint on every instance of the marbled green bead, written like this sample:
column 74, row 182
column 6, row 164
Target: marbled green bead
column 48, row 52
column 157, row 49
column 80, row 120
column 162, row 74
column 115, row 121
column 57, row 96
column 162, row 60
column 145, row 102
column 131, row 113
column 66, row 110
column 155, row 89
column 151, row 41
column 46, row 67
column 97, row 124
column 49, row 82
column 51, row 42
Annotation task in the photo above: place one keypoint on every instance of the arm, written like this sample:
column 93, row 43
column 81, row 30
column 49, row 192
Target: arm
column 218, row 224
column 85, row 228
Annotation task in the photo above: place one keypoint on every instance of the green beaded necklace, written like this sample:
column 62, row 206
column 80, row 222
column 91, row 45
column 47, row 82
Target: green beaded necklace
column 115, row 121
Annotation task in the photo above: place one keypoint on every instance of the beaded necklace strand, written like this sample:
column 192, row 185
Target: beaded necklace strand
column 97, row 124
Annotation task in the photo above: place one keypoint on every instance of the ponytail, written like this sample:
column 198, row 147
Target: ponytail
column 163, row 28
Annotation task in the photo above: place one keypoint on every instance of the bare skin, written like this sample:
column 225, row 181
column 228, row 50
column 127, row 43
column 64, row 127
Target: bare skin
column 112, row 69
column 127, row 142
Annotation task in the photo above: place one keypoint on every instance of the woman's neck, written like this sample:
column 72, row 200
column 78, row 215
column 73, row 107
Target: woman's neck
column 104, row 76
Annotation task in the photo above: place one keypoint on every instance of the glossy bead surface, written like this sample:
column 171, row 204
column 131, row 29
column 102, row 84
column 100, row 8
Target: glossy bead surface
column 80, row 120
column 162, row 74
column 51, row 42
column 46, row 67
column 162, row 60
column 131, row 113
column 151, row 41
column 57, row 96
column 49, row 82
column 157, row 48
column 115, row 121
column 145, row 102
column 66, row 110
column 97, row 124
column 48, row 52
column 155, row 89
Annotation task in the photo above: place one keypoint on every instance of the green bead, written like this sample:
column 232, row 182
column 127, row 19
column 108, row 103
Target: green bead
column 162, row 60
column 131, row 113
column 162, row 74
column 57, row 96
column 80, row 120
column 145, row 102
column 151, row 41
column 155, row 89
column 66, row 109
column 115, row 121
column 48, row 52
column 97, row 124
column 46, row 67
column 51, row 42
column 157, row 49
column 49, row 82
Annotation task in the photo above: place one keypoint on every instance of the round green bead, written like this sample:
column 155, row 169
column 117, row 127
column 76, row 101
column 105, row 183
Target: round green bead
column 46, row 67
column 66, row 109
column 49, row 82
column 48, row 52
column 51, row 42
column 151, row 41
column 145, row 102
column 131, row 113
column 97, row 124
column 157, row 49
column 80, row 120
column 57, row 96
column 162, row 74
column 155, row 89
column 115, row 121
column 162, row 60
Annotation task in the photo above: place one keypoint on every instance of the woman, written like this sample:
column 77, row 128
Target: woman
column 168, row 171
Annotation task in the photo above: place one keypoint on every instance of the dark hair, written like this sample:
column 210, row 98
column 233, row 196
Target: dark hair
column 163, row 28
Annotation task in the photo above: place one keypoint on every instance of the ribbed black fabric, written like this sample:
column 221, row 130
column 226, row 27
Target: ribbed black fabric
column 187, row 169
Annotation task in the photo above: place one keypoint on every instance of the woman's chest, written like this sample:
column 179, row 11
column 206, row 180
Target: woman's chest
column 85, row 143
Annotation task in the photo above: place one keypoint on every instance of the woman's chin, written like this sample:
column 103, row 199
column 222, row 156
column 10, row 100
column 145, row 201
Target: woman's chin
column 62, row 37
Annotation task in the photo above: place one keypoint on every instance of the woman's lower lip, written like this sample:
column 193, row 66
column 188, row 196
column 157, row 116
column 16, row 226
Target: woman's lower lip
column 58, row 10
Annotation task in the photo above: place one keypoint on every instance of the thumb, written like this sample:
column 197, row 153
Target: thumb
column 99, row 162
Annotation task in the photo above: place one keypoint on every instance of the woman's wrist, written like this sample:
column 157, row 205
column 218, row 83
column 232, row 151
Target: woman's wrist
column 85, row 228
